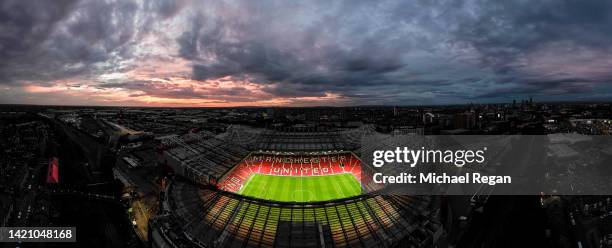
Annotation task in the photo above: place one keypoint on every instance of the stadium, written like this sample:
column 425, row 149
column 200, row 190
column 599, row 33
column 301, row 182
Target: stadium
column 252, row 187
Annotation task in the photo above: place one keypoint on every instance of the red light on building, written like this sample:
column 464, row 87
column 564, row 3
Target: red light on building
column 53, row 171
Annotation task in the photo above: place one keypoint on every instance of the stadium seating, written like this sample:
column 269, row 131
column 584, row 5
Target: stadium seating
column 217, row 218
column 196, row 214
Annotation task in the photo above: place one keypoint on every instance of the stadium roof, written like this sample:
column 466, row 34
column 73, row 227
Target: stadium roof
column 297, row 140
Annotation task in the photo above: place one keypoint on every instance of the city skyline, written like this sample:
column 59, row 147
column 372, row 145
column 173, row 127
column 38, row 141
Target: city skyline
column 185, row 53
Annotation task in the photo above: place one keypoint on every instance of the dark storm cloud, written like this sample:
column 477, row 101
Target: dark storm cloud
column 507, row 26
column 168, row 8
column 353, row 47
column 48, row 40
column 395, row 52
column 305, row 61
column 503, row 31
column 24, row 26
column 552, row 87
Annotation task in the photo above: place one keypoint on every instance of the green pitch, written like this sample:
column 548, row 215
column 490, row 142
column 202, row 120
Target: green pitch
column 301, row 189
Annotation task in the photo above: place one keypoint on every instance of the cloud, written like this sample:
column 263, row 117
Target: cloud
column 539, row 48
column 309, row 50
column 344, row 52
column 62, row 39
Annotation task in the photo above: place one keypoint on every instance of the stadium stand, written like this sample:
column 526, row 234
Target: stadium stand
column 194, row 212
column 207, row 217
column 201, row 158
column 296, row 139
column 204, row 157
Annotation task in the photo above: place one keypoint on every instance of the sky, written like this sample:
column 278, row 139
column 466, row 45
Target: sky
column 303, row 53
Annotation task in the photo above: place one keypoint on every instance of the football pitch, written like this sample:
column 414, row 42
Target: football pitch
column 301, row 189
